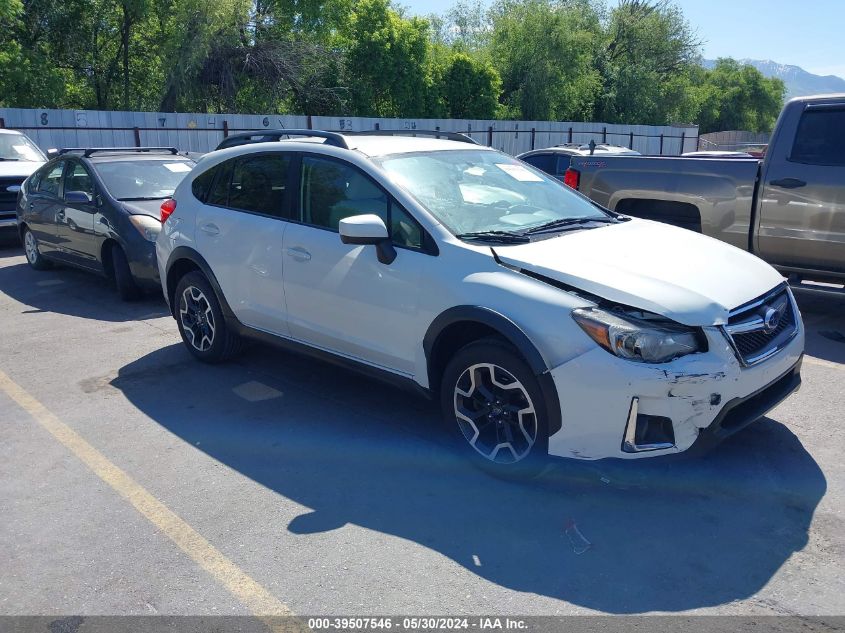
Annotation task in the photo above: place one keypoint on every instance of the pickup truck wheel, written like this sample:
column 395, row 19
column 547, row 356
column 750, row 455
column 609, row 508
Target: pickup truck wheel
column 201, row 322
column 494, row 408
column 33, row 255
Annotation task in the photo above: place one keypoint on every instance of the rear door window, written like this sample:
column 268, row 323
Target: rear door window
column 259, row 182
column 820, row 139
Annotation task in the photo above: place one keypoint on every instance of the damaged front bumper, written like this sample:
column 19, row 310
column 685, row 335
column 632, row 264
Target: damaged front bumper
column 696, row 400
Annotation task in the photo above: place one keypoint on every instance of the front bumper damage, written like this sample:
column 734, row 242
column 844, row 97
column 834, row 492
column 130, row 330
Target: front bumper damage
column 696, row 400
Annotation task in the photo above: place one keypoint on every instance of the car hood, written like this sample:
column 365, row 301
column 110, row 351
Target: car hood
column 143, row 207
column 684, row 276
column 22, row 168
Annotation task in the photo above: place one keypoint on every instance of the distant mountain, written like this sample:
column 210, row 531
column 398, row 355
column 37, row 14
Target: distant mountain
column 798, row 81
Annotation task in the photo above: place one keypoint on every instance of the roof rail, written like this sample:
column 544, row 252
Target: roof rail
column 451, row 136
column 87, row 151
column 332, row 138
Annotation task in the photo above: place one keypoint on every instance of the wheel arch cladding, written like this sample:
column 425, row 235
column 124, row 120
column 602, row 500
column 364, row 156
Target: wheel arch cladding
column 461, row 325
column 184, row 260
column 106, row 258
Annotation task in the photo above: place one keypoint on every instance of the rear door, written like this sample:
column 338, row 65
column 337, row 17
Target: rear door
column 802, row 199
column 75, row 220
column 240, row 231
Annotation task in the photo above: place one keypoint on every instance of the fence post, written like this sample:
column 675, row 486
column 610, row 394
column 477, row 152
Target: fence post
column 570, row 135
column 137, row 137
column 533, row 136
column 604, row 135
column 490, row 136
column 683, row 135
column 309, row 123
column 661, row 145
column 225, row 128
column 631, row 141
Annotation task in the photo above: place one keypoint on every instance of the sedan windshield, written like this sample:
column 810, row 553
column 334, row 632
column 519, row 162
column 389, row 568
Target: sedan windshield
column 484, row 192
column 143, row 179
column 19, row 147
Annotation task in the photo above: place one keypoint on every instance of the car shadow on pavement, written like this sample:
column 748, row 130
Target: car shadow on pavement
column 824, row 320
column 653, row 536
column 67, row 290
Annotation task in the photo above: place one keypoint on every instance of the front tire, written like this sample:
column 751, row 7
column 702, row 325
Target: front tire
column 493, row 407
column 33, row 254
column 201, row 322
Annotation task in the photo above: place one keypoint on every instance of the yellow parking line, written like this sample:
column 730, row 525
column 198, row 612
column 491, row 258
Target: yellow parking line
column 255, row 597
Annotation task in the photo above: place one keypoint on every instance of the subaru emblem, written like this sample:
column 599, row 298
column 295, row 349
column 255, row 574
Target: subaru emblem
column 13, row 188
column 772, row 319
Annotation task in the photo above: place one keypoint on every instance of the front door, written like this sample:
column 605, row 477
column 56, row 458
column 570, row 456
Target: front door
column 339, row 296
column 802, row 200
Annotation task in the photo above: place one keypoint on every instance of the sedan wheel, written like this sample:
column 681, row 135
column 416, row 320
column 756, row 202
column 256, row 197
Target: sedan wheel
column 33, row 255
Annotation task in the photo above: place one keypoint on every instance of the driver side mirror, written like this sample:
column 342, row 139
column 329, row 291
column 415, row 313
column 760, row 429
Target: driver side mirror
column 78, row 197
column 368, row 229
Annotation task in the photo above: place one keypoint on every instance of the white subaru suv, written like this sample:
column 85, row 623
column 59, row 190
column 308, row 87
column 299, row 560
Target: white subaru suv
column 544, row 323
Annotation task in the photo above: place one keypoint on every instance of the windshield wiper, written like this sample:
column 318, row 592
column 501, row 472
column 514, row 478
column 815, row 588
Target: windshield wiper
column 504, row 237
column 143, row 198
column 564, row 222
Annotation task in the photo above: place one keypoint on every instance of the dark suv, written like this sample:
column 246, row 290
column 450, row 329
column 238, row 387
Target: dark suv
column 99, row 209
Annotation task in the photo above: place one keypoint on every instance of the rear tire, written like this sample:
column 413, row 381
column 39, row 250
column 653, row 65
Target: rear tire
column 123, row 279
column 494, row 409
column 33, row 254
column 201, row 322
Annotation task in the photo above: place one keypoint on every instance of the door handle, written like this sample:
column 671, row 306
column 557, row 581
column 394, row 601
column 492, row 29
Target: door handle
column 299, row 254
column 210, row 228
column 788, row 183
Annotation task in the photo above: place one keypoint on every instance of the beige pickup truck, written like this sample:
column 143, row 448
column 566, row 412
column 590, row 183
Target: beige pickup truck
column 788, row 209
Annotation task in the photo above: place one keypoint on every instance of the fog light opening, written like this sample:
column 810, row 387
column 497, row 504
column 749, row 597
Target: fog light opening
column 646, row 432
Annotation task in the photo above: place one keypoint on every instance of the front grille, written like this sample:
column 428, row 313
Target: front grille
column 9, row 199
column 762, row 327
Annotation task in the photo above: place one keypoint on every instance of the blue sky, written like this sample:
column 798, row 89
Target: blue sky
column 807, row 34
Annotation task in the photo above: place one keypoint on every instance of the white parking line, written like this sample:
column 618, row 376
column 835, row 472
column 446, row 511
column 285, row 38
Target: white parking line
column 254, row 596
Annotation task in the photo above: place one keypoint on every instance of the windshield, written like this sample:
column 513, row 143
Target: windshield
column 143, row 179
column 473, row 191
column 19, row 147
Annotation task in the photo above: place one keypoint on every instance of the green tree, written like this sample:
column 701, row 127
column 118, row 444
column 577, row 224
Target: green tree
column 734, row 96
column 647, row 54
column 390, row 58
column 544, row 52
column 470, row 88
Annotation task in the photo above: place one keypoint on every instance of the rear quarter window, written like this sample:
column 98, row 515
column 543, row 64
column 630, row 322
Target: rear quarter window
column 201, row 185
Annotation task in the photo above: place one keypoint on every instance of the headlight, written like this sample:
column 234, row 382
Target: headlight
column 147, row 226
column 637, row 339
